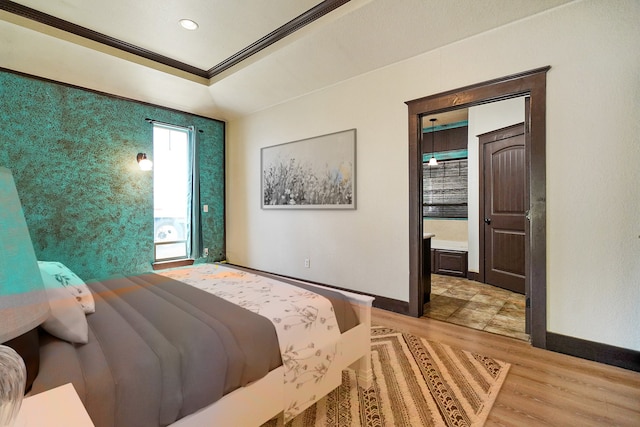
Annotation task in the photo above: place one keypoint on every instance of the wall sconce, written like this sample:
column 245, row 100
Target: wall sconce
column 432, row 160
column 144, row 163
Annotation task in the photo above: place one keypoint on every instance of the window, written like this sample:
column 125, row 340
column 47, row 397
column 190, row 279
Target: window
column 172, row 192
column 445, row 187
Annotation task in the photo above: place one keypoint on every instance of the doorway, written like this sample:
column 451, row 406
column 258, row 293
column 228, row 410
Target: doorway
column 533, row 84
column 472, row 299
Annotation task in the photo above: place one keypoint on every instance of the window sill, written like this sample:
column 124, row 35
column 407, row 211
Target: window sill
column 162, row 265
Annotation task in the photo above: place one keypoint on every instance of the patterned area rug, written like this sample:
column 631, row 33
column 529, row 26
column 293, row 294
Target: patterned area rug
column 416, row 383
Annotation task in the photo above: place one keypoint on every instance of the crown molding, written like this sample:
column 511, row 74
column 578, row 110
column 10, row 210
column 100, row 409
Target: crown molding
column 280, row 33
column 289, row 28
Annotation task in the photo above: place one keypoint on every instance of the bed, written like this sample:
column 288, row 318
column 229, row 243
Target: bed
column 176, row 349
column 227, row 371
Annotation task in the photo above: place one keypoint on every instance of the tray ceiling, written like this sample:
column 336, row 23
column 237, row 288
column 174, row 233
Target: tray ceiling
column 279, row 49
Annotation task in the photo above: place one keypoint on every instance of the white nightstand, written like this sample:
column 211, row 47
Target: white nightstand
column 58, row 407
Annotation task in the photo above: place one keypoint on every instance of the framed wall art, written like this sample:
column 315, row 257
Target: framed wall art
column 313, row 173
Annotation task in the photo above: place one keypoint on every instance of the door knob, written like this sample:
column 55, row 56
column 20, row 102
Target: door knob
column 487, row 220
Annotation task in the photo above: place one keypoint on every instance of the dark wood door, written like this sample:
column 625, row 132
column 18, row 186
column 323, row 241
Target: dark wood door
column 505, row 207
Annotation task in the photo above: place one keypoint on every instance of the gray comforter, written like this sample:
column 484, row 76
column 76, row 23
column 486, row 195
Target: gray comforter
column 159, row 350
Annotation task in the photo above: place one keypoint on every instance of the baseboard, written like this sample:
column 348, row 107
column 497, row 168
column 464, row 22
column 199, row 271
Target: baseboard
column 472, row 275
column 162, row 265
column 598, row 352
column 389, row 304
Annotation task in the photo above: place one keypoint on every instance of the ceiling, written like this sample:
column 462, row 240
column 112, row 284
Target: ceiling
column 446, row 118
column 293, row 47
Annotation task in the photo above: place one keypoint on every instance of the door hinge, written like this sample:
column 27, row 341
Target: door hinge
column 527, row 302
column 527, row 214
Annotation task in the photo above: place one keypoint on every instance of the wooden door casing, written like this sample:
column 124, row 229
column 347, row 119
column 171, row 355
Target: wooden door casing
column 533, row 84
column 504, row 207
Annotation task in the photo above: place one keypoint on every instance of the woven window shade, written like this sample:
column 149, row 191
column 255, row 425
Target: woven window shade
column 445, row 189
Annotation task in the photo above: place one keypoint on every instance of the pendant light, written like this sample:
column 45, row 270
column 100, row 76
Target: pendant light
column 432, row 160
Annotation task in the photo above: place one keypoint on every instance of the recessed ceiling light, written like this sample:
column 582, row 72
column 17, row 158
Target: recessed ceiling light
column 188, row 24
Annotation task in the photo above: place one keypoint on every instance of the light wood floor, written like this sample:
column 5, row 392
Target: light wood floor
column 542, row 388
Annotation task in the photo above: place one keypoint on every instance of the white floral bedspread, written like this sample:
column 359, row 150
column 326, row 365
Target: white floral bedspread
column 305, row 323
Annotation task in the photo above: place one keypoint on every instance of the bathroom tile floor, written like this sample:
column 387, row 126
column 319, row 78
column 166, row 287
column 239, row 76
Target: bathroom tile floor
column 477, row 305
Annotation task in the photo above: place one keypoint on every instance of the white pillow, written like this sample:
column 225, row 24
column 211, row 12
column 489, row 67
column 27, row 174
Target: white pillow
column 56, row 275
column 67, row 320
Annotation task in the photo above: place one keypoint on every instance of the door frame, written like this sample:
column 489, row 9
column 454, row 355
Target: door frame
column 533, row 84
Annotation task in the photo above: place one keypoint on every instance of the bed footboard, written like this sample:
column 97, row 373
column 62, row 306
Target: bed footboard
column 356, row 342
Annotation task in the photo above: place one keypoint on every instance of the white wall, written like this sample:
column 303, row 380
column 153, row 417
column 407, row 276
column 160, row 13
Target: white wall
column 593, row 227
column 482, row 119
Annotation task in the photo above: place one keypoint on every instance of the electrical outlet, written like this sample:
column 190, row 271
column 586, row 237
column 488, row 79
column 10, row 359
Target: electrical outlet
column 307, row 263
column 205, row 252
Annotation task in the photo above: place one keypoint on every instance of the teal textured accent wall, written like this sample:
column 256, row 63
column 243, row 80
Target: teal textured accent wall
column 87, row 204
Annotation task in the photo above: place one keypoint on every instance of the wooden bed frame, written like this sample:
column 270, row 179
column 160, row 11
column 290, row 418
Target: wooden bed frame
column 263, row 400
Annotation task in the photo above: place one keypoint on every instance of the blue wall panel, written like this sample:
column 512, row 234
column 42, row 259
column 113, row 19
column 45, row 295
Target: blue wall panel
column 86, row 202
